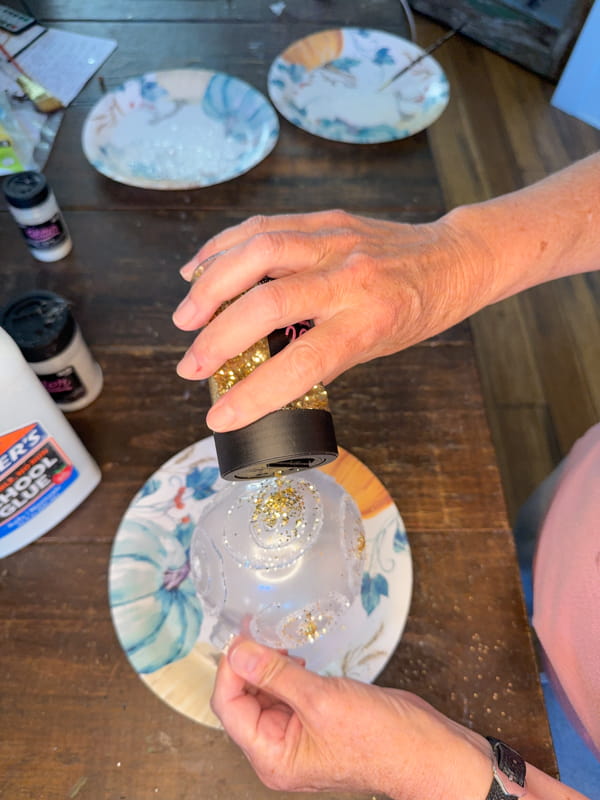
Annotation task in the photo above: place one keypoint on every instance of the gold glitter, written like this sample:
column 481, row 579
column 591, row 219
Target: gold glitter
column 237, row 368
column 240, row 366
column 197, row 272
column 279, row 507
column 309, row 629
column 361, row 543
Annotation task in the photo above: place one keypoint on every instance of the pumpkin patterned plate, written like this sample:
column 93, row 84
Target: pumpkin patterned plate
column 330, row 84
column 160, row 621
column 179, row 129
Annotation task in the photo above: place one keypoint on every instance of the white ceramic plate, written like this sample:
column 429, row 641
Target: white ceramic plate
column 160, row 621
column 179, row 129
column 328, row 84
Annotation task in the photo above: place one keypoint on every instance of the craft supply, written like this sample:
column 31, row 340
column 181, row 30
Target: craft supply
column 282, row 558
column 145, row 132
column 33, row 205
column 297, row 437
column 9, row 160
column 42, row 99
column 45, row 471
column 42, row 325
column 327, row 84
column 432, row 47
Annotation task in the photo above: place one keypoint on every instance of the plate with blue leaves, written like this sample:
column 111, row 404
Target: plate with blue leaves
column 160, row 620
column 179, row 129
column 333, row 85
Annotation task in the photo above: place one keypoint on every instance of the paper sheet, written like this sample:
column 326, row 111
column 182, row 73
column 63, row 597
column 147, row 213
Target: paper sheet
column 61, row 61
column 14, row 43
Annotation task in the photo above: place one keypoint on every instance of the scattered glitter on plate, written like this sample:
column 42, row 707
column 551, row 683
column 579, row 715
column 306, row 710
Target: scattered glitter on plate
column 179, row 129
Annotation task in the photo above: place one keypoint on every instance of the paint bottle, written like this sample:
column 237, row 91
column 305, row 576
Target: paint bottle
column 294, row 438
column 42, row 324
column 32, row 203
column 45, row 471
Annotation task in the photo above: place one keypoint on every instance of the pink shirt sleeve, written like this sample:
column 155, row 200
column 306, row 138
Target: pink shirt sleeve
column 566, row 585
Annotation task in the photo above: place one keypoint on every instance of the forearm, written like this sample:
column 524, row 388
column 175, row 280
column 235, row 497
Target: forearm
column 548, row 230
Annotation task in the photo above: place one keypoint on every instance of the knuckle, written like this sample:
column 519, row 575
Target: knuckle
column 276, row 302
column 270, row 243
column 340, row 217
column 305, row 361
column 255, row 224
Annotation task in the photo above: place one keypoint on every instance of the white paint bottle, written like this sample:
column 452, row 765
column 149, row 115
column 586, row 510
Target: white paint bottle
column 42, row 324
column 32, row 203
column 45, row 471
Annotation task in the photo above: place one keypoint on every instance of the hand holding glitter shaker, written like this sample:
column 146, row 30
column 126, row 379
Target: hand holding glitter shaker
column 297, row 437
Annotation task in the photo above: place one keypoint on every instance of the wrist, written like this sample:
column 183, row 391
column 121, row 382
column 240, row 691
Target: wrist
column 446, row 762
column 480, row 237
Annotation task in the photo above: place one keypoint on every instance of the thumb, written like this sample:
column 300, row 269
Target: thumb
column 273, row 672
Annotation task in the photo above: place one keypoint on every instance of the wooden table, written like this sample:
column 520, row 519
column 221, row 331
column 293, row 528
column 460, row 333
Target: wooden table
column 76, row 719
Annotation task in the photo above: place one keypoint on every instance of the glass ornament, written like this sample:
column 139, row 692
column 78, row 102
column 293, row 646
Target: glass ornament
column 281, row 560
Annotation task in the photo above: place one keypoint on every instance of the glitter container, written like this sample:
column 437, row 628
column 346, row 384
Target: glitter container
column 297, row 437
column 281, row 559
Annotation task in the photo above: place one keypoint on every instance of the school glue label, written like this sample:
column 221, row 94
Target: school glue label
column 34, row 472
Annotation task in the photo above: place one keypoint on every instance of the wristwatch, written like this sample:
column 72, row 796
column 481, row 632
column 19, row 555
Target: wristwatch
column 508, row 782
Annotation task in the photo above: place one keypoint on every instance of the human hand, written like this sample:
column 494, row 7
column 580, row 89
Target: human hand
column 371, row 287
column 304, row 732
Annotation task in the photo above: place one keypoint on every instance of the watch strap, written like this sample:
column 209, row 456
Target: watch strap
column 508, row 764
column 496, row 792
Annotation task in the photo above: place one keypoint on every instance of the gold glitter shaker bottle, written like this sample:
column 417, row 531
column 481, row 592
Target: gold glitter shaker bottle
column 297, row 437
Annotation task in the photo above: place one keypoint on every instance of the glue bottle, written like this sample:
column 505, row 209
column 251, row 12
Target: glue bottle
column 45, row 471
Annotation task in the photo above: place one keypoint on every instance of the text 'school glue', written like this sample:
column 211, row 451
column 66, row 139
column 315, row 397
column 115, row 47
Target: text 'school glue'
column 45, row 471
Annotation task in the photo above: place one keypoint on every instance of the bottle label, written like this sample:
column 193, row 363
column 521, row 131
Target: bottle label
column 46, row 235
column 33, row 473
column 281, row 337
column 65, row 385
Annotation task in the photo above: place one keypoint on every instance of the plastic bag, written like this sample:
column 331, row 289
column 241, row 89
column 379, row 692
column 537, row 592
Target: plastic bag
column 26, row 135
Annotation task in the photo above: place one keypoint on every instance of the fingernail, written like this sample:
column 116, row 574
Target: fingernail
column 244, row 658
column 185, row 312
column 188, row 366
column 221, row 416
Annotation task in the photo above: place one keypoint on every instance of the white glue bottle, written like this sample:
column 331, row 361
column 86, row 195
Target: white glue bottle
column 45, row 471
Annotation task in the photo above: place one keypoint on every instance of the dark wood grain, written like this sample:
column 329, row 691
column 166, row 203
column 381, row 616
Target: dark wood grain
column 377, row 179
column 483, row 148
column 81, row 723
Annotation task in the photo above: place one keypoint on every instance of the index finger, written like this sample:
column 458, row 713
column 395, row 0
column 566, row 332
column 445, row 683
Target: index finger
column 237, row 234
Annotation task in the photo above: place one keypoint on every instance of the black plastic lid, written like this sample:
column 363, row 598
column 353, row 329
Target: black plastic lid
column 289, row 440
column 41, row 324
column 26, row 189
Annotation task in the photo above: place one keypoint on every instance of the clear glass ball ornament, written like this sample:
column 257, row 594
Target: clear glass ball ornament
column 280, row 559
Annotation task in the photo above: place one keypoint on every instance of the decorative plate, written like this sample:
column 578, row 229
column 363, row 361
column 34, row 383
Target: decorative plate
column 329, row 84
column 179, row 129
column 160, row 621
